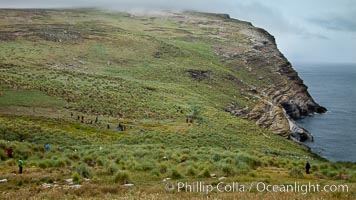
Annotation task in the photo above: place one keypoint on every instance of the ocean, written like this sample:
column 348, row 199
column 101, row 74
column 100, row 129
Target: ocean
column 332, row 86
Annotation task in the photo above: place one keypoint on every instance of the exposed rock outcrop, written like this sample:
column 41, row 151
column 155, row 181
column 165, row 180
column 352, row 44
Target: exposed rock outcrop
column 283, row 95
column 199, row 75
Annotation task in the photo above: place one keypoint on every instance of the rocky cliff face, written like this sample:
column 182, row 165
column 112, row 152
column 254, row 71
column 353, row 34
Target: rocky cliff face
column 282, row 93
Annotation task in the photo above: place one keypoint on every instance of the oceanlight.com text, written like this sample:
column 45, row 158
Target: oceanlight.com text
column 222, row 187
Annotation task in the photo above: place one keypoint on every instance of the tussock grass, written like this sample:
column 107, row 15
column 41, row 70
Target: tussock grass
column 100, row 74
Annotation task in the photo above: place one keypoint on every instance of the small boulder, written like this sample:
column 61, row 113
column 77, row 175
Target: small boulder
column 222, row 178
column 3, row 180
column 69, row 181
column 75, row 186
column 166, row 179
column 157, row 55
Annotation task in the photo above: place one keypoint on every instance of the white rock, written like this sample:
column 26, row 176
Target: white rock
column 46, row 185
column 213, row 175
column 129, row 185
column 222, row 178
column 69, row 180
column 75, row 186
column 166, row 179
column 3, row 180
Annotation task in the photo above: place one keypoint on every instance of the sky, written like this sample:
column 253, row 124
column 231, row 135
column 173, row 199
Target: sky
column 313, row 31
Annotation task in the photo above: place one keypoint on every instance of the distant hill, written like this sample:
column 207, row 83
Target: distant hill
column 119, row 64
column 142, row 99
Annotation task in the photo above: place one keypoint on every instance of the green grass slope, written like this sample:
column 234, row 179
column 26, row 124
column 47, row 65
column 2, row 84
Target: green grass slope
column 148, row 73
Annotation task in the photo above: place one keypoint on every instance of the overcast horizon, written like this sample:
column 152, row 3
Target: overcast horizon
column 305, row 31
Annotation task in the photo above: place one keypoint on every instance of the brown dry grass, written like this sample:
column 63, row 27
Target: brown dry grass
column 90, row 191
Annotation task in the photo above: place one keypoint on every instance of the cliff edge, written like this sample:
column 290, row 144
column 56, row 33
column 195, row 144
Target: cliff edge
column 283, row 95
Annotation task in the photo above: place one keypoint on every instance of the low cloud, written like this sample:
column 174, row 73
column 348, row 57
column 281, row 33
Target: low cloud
column 315, row 36
column 258, row 13
column 337, row 23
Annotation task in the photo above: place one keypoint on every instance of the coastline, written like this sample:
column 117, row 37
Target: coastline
column 332, row 85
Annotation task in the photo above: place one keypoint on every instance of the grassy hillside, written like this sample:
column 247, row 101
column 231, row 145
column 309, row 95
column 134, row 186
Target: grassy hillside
column 62, row 69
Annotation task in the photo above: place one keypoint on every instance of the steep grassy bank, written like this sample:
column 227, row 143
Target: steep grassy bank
column 187, row 87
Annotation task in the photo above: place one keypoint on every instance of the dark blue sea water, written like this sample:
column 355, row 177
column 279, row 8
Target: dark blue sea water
column 332, row 86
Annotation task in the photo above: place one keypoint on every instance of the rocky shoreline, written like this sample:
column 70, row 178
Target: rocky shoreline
column 280, row 102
